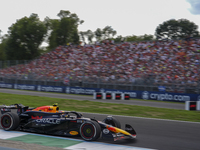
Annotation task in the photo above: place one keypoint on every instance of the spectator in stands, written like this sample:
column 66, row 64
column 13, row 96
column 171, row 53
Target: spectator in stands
column 166, row 62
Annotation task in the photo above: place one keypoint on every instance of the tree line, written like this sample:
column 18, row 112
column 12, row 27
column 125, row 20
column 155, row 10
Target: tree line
column 25, row 37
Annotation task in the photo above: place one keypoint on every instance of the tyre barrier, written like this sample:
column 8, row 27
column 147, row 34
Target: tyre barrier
column 192, row 105
column 126, row 96
column 107, row 95
column 114, row 96
column 98, row 95
column 117, row 96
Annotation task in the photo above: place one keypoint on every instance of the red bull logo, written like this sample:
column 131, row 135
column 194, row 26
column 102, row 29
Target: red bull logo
column 112, row 129
column 36, row 117
column 117, row 130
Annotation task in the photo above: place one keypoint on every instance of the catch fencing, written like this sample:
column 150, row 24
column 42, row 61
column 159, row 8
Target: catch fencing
column 25, row 73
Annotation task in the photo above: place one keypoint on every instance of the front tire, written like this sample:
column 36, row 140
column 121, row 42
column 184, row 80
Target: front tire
column 90, row 131
column 9, row 121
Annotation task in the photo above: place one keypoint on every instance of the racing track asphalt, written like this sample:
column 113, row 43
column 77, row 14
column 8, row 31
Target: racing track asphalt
column 151, row 133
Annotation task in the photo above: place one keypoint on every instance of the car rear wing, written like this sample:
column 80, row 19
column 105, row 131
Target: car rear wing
column 13, row 106
column 19, row 107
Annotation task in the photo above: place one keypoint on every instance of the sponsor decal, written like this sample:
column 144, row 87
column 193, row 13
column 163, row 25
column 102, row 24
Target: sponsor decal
column 161, row 88
column 24, row 114
column 155, row 96
column 132, row 94
column 36, row 117
column 55, row 116
column 112, row 129
column 38, row 88
column 67, row 90
column 15, row 86
column 80, row 121
column 80, row 91
column 5, row 109
column 9, row 86
column 192, row 105
column 128, row 129
column 48, row 121
column 24, row 87
column 73, row 132
column 106, row 131
column 49, row 88
column 145, row 95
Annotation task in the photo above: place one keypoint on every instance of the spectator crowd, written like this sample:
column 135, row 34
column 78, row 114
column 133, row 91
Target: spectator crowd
column 161, row 62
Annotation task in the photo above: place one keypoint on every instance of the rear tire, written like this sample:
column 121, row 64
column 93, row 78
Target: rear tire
column 112, row 121
column 90, row 131
column 9, row 121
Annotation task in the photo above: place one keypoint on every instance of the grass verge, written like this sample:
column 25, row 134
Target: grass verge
column 99, row 107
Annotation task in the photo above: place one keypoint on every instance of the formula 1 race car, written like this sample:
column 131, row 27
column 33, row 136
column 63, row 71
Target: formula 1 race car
column 50, row 120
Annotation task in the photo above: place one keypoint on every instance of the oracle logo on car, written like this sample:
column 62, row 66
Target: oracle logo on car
column 48, row 121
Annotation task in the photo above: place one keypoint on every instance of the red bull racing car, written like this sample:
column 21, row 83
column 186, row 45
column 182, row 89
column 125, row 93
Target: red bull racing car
column 50, row 120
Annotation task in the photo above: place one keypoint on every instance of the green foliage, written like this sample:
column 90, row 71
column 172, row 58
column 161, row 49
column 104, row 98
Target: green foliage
column 63, row 30
column 134, row 38
column 90, row 35
column 98, row 34
column 176, row 29
column 24, row 38
column 75, row 37
column 119, row 39
column 139, row 38
column 2, row 50
column 108, row 32
column 99, row 107
column 27, row 34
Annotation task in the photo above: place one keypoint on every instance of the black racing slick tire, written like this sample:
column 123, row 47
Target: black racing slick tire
column 9, row 121
column 90, row 131
column 112, row 121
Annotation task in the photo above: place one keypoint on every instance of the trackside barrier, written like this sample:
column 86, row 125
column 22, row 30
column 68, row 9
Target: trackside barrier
column 98, row 96
column 125, row 96
column 114, row 96
column 102, row 95
column 117, row 96
column 192, row 105
column 107, row 95
column 146, row 95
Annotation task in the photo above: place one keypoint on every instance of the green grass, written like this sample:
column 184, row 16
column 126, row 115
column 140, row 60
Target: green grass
column 104, row 108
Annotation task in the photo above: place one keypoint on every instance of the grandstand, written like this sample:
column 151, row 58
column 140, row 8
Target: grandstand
column 130, row 66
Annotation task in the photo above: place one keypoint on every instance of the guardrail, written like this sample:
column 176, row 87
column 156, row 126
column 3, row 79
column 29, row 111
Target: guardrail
column 146, row 95
column 116, row 86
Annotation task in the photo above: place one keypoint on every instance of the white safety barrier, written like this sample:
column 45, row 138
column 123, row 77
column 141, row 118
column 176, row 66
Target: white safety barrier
column 113, row 96
column 192, row 105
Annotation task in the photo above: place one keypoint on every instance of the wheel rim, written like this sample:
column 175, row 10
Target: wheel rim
column 6, row 121
column 87, row 131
